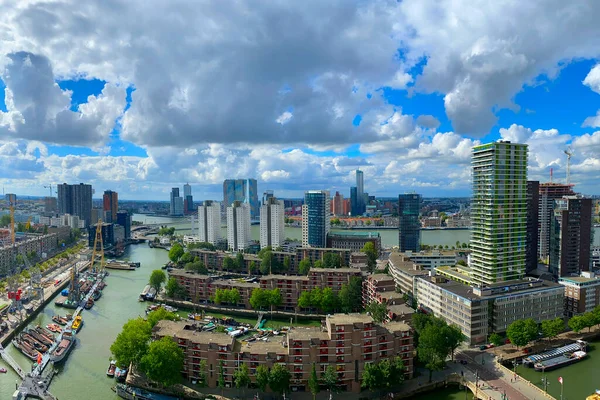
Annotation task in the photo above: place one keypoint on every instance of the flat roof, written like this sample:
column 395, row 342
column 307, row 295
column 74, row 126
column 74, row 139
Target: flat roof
column 354, row 234
column 235, row 282
column 401, row 309
column 177, row 329
column 182, row 272
column 273, row 345
column 579, row 279
column 396, row 326
column 343, row 269
column 306, row 333
column 401, row 262
column 346, row 319
column 380, row 277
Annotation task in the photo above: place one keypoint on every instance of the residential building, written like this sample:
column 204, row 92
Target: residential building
column 110, row 205
column 548, row 193
column 42, row 245
column 50, row 205
column 345, row 341
column 338, row 204
column 582, row 293
column 209, row 222
column 570, row 236
column 353, row 241
column 315, row 218
column 315, row 253
column 458, row 221
column 176, row 203
column 124, row 220
column 433, row 258
column 405, row 274
column 431, row 222
column 533, row 222
column 243, row 190
column 409, row 228
column 380, row 288
column 76, row 200
column 499, row 212
column 272, row 227
column 238, row 226
column 108, row 234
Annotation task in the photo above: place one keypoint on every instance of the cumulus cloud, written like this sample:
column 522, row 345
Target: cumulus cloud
column 593, row 122
column 592, row 80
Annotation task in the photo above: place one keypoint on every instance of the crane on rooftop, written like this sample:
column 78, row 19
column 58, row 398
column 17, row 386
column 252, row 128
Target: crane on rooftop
column 569, row 153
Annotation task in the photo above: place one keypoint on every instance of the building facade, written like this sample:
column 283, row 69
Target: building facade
column 110, row 205
column 499, row 212
column 176, row 203
column 548, row 193
column 533, row 222
column 243, row 190
column 238, row 226
column 76, row 200
column 209, row 222
column 272, row 226
column 108, row 234
column 409, row 227
column 315, row 218
column 582, row 293
column 42, row 245
column 338, row 204
column 360, row 192
column 353, row 241
column 124, row 220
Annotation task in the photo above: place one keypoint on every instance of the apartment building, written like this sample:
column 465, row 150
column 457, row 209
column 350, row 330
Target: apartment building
column 238, row 226
column 313, row 254
column 272, row 227
column 582, row 293
column 405, row 272
column 354, row 241
column 346, row 341
column 200, row 288
column 40, row 244
column 379, row 288
column 433, row 259
column 209, row 222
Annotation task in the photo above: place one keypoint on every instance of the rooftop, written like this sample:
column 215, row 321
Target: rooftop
column 273, row 345
column 338, row 270
column 380, row 277
column 400, row 262
column 177, row 329
column 400, row 309
column 579, row 279
column 307, row 333
column 354, row 234
column 235, row 282
column 182, row 272
column 347, row 319
column 395, row 326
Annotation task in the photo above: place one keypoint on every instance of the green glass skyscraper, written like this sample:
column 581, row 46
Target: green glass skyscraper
column 499, row 212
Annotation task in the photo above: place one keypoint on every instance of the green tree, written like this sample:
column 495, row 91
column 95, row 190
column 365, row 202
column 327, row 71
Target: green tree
column 221, row 379
column 279, row 379
column 318, row 264
column 313, row 382
column 372, row 378
column 432, row 349
column 228, row 263
column 287, row 263
column 157, row 278
column 239, row 261
column 252, row 268
column 378, row 311
column 172, row 288
column 176, row 252
column 234, row 296
column 371, row 253
column 552, row 327
column 496, row 339
column 241, row 378
column 328, row 300
column 522, row 332
column 274, row 298
column 262, row 377
column 202, row 374
column 454, row 337
column 330, row 379
column 350, row 295
column 132, row 343
column 187, row 257
column 259, row 299
column 332, row 260
column 160, row 314
column 163, row 362
column 576, row 323
column 589, row 318
column 304, row 267
column 304, row 301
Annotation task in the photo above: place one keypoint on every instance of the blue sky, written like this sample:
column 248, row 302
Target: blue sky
column 139, row 110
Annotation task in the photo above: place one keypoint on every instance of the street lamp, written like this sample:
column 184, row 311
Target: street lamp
column 476, row 384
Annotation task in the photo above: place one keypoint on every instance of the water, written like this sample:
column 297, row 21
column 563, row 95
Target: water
column 83, row 375
column 453, row 393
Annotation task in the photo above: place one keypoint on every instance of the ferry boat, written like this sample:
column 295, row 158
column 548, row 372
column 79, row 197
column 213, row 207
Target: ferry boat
column 61, row 351
column 77, row 323
column 132, row 393
column 111, row 368
column 560, row 361
column 579, row 345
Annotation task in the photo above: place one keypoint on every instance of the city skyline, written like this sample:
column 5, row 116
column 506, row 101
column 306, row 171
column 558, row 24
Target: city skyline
column 379, row 90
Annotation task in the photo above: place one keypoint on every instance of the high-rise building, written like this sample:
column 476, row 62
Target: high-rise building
column 338, row 204
column 548, row 193
column 124, row 219
column 209, row 222
column 244, row 190
column 272, row 215
column 315, row 218
column 354, row 202
column 409, row 226
column 76, row 200
column 110, row 205
column 533, row 209
column 267, row 195
column 50, row 205
column 176, row 206
column 570, row 236
column 499, row 212
column 360, row 192
column 238, row 226
column 188, row 199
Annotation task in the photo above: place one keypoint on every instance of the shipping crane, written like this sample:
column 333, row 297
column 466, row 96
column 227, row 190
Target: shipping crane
column 569, row 153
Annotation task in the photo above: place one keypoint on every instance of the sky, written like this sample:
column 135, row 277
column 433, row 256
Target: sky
column 138, row 97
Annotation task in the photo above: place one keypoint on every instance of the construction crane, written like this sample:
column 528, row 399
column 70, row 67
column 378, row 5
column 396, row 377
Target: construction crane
column 569, row 153
column 49, row 187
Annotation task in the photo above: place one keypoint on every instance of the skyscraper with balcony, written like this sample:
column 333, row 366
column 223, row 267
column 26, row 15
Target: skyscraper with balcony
column 76, row 200
column 244, row 190
column 315, row 218
column 110, row 206
column 272, row 226
column 499, row 212
column 409, row 226
column 209, row 222
column 238, row 226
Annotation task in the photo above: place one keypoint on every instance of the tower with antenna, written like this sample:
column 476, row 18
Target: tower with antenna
column 569, row 153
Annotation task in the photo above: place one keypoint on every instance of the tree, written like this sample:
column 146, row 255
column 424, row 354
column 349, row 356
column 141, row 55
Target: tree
column 454, row 337
column 350, row 295
column 496, row 339
column 552, row 327
column 313, row 382
column 163, row 362
column 160, row 314
column 304, row 301
column 590, row 320
column 330, row 379
column 522, row 332
column 252, row 268
column 259, row 299
column 176, row 252
column 328, row 300
column 371, row 253
column 228, row 263
column 157, row 278
column 132, row 343
column 432, row 349
column 378, row 311
column 274, row 299
column 239, row 261
column 279, row 379
column 173, row 289
column 462, row 263
column 187, row 257
column 202, row 374
column 332, row 260
column 372, row 378
column 234, row 296
column 318, row 264
column 287, row 263
column 262, row 377
column 221, row 379
column 241, row 377
column 577, row 323
column 304, row 267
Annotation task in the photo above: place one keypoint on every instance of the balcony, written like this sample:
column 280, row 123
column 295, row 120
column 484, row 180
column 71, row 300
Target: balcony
column 324, row 351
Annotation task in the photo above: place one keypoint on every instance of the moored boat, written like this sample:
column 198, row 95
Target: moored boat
column 67, row 342
column 97, row 295
column 570, row 348
column 54, row 328
column 3, row 370
column 89, row 304
column 132, row 393
column 26, row 349
column 120, row 374
column 59, row 320
column 111, row 368
column 76, row 326
column 560, row 361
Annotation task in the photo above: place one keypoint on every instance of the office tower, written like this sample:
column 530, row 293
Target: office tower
column 354, row 203
column 315, row 218
column 533, row 210
column 76, row 200
column 50, row 205
column 360, row 192
column 570, row 236
column 244, row 190
column 96, row 215
column 266, row 196
column 548, row 193
column 110, row 205
column 124, row 219
column 176, row 206
column 209, row 222
column 238, row 226
column 188, row 199
column 338, row 204
column 272, row 215
column 499, row 212
column 409, row 226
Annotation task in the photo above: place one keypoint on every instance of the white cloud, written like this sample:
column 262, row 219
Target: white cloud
column 593, row 122
column 592, row 80
column 284, row 118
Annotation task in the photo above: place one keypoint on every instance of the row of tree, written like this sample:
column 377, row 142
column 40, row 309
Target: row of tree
column 587, row 320
column 264, row 298
column 229, row 296
column 384, row 375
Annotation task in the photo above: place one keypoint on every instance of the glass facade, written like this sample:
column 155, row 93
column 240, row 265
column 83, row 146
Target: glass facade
column 244, row 190
column 409, row 229
column 316, row 220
